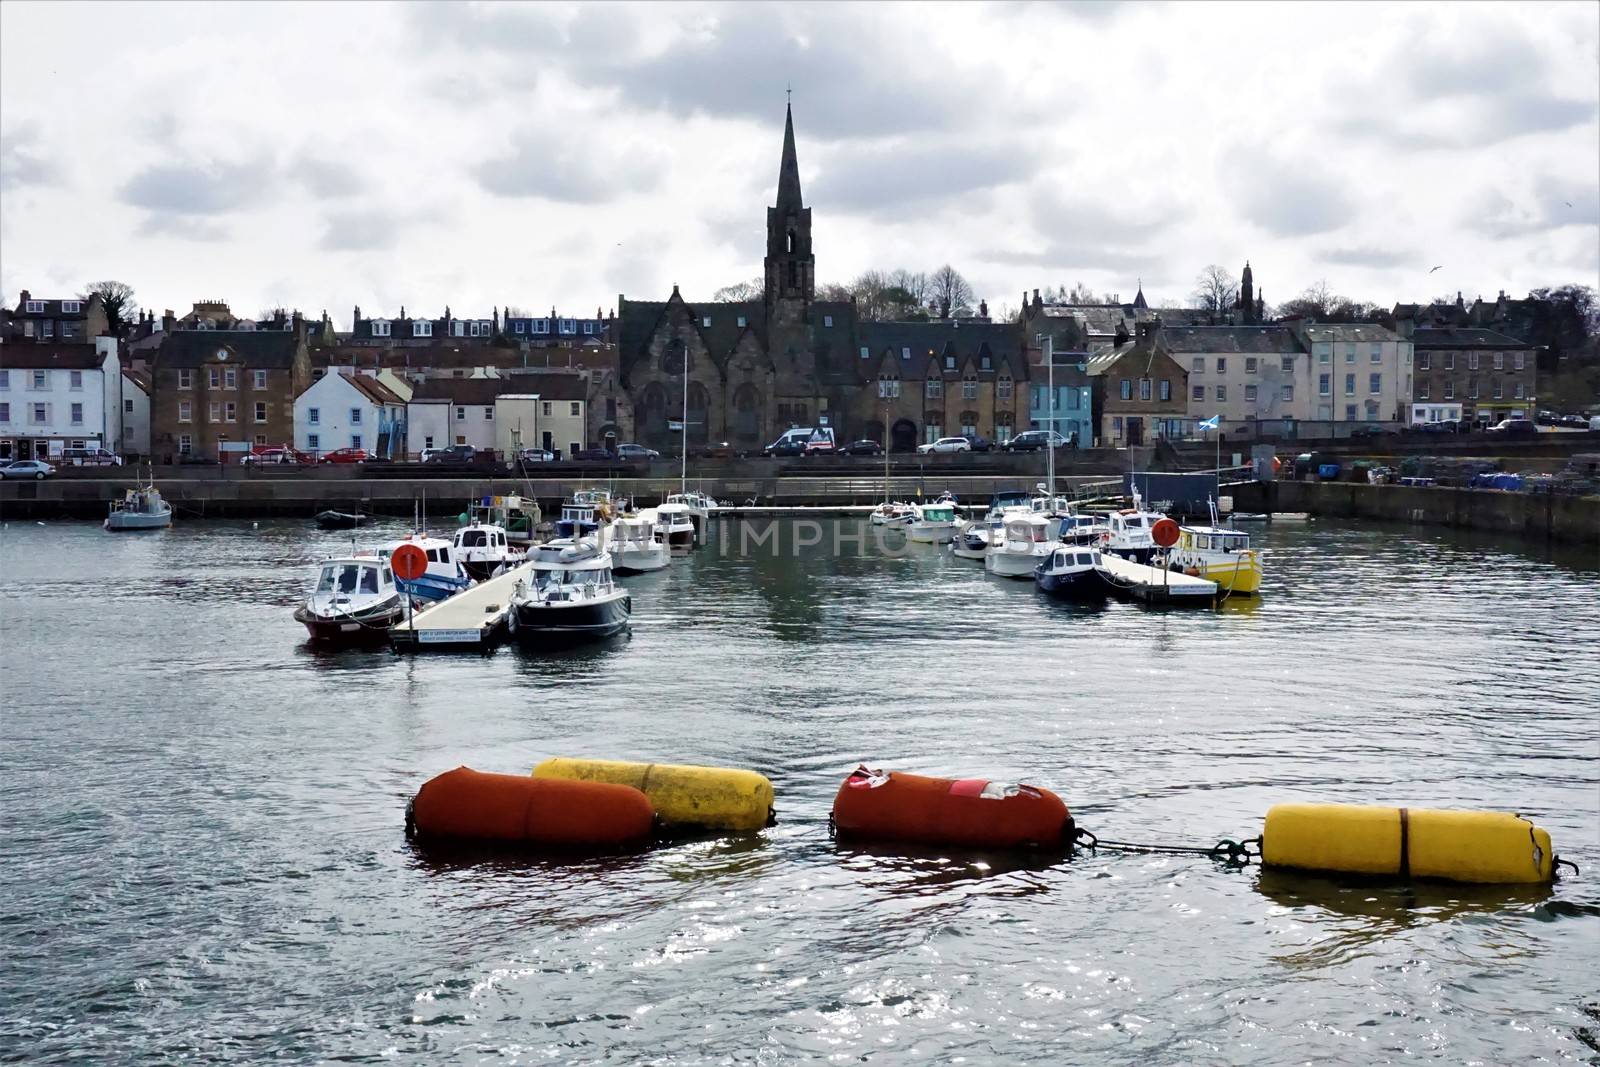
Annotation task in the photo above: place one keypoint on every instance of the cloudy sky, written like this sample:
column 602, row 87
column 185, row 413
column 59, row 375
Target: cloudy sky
column 418, row 154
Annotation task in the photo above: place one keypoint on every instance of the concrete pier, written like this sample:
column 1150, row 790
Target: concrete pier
column 473, row 618
column 1154, row 585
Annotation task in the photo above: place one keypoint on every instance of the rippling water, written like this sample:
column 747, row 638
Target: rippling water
column 203, row 859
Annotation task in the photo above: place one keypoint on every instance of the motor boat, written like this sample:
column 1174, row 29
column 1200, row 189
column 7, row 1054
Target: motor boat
column 1074, row 572
column 1025, row 539
column 1007, row 501
column 354, row 602
column 444, row 577
column 637, row 545
column 676, row 525
column 896, row 513
column 140, row 508
column 933, row 524
column 567, row 593
column 1218, row 554
column 1077, row 529
column 518, row 516
column 971, row 541
column 1129, row 531
column 585, row 513
column 482, row 549
column 701, row 508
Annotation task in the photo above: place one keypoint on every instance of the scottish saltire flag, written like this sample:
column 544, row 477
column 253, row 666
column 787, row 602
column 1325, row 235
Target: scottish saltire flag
column 1209, row 424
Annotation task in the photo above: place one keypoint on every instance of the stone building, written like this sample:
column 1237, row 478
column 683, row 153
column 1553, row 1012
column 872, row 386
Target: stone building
column 210, row 386
column 1139, row 391
column 1479, row 375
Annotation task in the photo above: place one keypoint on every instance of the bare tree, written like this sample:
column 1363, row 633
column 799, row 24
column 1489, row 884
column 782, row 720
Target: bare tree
column 754, row 289
column 915, row 285
column 1314, row 303
column 117, row 298
column 1215, row 290
column 951, row 292
column 835, row 292
column 1080, row 294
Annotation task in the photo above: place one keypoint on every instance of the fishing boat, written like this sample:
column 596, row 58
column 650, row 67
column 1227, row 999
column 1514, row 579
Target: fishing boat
column 1219, row 554
column 140, row 508
column 354, row 602
column 585, row 513
column 637, row 545
column 1079, row 529
column 1025, row 539
column 1129, row 529
column 341, row 520
column 482, row 549
column 444, row 577
column 933, row 524
column 518, row 516
column 701, row 508
column 893, row 513
column 676, row 526
column 568, row 593
column 1074, row 573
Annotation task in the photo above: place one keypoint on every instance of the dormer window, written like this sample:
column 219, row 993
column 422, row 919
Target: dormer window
column 865, row 352
column 520, row 327
column 422, row 329
column 475, row 329
column 381, row 327
column 71, row 307
column 458, row 328
column 949, row 362
column 827, row 320
column 741, row 320
column 705, row 322
column 905, row 353
column 33, row 307
column 569, row 326
column 485, row 328
column 588, row 327
column 986, row 363
column 541, row 326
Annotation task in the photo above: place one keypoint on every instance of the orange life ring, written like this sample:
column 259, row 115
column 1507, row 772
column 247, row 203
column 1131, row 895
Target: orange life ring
column 973, row 812
column 474, row 805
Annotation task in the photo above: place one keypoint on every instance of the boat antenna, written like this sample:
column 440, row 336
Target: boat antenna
column 1050, row 433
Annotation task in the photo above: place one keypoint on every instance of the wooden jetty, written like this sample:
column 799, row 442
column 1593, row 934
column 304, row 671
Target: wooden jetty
column 1156, row 586
column 473, row 618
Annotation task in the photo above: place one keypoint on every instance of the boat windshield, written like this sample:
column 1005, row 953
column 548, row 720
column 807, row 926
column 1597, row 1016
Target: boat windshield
column 473, row 539
column 347, row 578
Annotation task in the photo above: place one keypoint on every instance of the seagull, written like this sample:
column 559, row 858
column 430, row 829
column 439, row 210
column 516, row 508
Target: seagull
column 1439, row 267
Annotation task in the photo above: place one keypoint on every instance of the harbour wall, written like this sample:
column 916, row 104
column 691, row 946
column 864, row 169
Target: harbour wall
column 1539, row 516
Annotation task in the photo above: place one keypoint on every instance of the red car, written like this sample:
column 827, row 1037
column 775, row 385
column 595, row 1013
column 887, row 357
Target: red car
column 346, row 455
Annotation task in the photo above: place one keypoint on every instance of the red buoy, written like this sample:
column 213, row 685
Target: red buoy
column 409, row 562
column 891, row 806
column 474, row 805
column 1164, row 532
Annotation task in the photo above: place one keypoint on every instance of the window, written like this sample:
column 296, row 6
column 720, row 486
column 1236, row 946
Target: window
column 1288, row 394
column 1250, row 364
column 905, row 353
column 985, row 363
column 1472, row 361
column 1003, row 387
column 1324, row 352
column 1449, row 361
column 1499, row 361
column 185, row 411
column 1199, row 365
column 1250, row 394
column 1450, row 389
column 1116, row 426
column 41, row 379
column 34, row 307
column 313, row 441
column 1199, row 392
column 427, row 442
column 261, row 411
column 1222, row 393
column 1517, row 361
column 1499, row 390
column 1516, row 390
column 5, row 379
column 5, row 412
column 827, row 320
column 230, row 378
column 969, row 387
column 261, row 438
column 1324, row 386
column 569, row 326
column 540, row 326
column 1222, row 364
column 1125, row 389
column 520, row 327
column 313, row 415
column 1374, row 383
column 1349, row 413
column 355, row 416
column 706, row 322
column 77, row 413
column 1164, row 394
column 214, row 413
column 934, row 388
column 1422, row 390
column 230, row 412
column 41, row 413
column 1424, row 360
column 49, row 328
column 1377, row 352
column 461, row 414
column 185, row 444
column 355, row 440
column 1145, row 388
column 458, row 328
column 888, row 388
column 127, row 407
column 1372, row 409
column 260, row 379
column 71, row 307
column 215, row 377
column 865, row 352
column 380, row 328
column 740, row 321
column 1286, row 364
column 75, row 379
column 547, row 406
column 576, row 408
column 422, row 329
column 1349, row 385
column 1350, row 353
column 488, row 414
column 473, row 329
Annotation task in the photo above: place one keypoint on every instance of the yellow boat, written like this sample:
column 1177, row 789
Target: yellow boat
column 1221, row 555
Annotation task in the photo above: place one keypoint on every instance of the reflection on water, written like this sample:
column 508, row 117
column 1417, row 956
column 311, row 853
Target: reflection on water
column 203, row 855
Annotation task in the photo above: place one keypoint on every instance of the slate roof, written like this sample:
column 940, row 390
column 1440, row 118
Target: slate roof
column 373, row 389
column 549, row 386
column 1359, row 331
column 465, row 391
column 46, row 356
column 1462, row 337
column 138, row 378
column 1269, row 340
column 966, row 339
column 52, row 309
column 254, row 348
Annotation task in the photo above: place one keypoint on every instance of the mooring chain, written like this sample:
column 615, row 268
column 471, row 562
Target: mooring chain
column 1235, row 853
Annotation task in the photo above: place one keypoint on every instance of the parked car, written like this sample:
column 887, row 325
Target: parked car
column 536, row 455
column 346, row 455
column 89, row 457
column 719, row 450
column 633, row 451
column 455, row 455
column 1514, row 428
column 593, row 455
column 271, row 454
column 946, row 444
column 785, row 446
column 862, row 448
column 978, row 442
column 1367, row 431
column 1033, row 441
column 1577, row 422
column 1547, row 418
column 27, row 468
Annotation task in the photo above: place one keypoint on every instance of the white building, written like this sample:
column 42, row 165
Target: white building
column 56, row 396
column 350, row 411
column 470, row 419
column 427, row 425
column 1249, row 375
column 1357, row 373
column 135, row 413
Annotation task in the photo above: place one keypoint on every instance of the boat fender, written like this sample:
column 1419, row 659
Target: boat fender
column 684, row 797
column 893, row 806
column 465, row 804
column 1459, row 846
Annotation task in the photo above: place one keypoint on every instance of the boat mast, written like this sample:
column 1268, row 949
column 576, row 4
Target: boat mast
column 885, row 447
column 683, row 470
column 1050, row 432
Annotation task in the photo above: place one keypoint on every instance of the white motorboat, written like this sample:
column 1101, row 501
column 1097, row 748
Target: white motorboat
column 568, row 593
column 701, row 508
column 1076, row 529
column 482, row 549
column 444, row 577
column 895, row 513
column 354, row 602
column 1129, row 531
column 637, row 545
column 1025, row 539
column 676, row 525
column 933, row 524
column 972, row 540
column 140, row 508
column 1002, row 503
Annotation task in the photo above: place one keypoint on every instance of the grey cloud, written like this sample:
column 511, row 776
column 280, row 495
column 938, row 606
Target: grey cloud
column 22, row 161
column 1552, row 204
column 1069, row 256
column 326, row 178
column 1060, row 213
column 1369, row 257
column 184, row 227
column 553, row 166
column 197, row 188
column 890, row 176
column 361, row 230
column 1288, row 199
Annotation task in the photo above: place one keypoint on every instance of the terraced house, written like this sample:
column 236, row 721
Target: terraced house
column 212, row 387
column 1472, row 374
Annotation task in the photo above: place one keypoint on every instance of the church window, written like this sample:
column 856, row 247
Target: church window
column 969, row 387
column 1002, row 388
column 935, row 388
column 888, row 387
column 905, row 353
column 789, row 246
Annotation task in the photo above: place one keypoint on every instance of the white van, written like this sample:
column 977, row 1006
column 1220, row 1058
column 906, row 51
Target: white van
column 806, row 439
column 93, row 456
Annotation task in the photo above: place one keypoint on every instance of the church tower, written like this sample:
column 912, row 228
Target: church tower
column 790, row 266
column 1247, row 296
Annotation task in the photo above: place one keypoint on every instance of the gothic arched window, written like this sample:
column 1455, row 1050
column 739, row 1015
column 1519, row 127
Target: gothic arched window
column 791, row 245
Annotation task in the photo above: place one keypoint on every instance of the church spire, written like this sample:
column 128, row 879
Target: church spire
column 789, row 168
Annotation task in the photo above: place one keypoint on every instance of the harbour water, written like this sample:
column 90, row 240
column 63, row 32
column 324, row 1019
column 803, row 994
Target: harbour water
column 202, row 857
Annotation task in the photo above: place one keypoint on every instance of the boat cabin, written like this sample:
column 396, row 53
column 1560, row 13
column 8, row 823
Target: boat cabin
column 1074, row 557
column 1214, row 539
column 480, row 537
column 354, row 577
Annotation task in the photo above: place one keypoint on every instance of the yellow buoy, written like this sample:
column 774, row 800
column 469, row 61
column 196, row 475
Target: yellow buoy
column 714, row 798
column 1459, row 846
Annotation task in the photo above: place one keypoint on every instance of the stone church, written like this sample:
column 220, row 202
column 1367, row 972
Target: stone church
column 754, row 368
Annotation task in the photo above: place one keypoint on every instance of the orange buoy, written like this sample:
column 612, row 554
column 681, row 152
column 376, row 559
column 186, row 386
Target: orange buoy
column 1164, row 532
column 475, row 805
column 891, row 806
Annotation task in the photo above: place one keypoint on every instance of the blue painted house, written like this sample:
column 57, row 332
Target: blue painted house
column 1074, row 408
column 554, row 327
